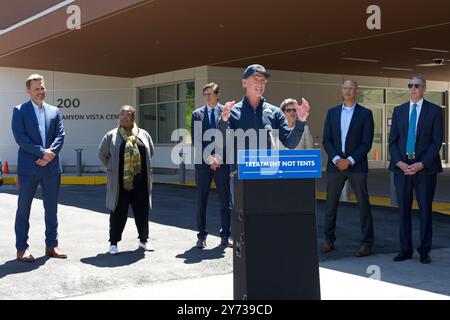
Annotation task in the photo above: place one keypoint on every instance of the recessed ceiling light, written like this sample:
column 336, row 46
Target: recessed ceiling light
column 362, row 60
column 430, row 50
column 397, row 69
column 429, row 65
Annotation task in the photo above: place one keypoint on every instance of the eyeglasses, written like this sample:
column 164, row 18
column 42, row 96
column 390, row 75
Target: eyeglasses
column 415, row 85
column 289, row 110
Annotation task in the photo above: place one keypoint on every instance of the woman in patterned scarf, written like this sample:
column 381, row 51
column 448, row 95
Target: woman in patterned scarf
column 126, row 152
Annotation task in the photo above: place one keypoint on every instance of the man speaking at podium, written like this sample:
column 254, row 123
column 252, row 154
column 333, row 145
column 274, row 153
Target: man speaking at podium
column 255, row 113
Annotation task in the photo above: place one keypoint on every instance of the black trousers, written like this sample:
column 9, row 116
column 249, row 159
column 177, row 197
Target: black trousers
column 425, row 187
column 138, row 199
column 203, row 178
column 335, row 184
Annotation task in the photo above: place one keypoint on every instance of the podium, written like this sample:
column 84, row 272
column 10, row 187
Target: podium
column 275, row 236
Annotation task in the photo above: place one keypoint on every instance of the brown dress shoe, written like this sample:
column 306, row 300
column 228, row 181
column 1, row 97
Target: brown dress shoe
column 327, row 246
column 25, row 256
column 55, row 253
column 364, row 251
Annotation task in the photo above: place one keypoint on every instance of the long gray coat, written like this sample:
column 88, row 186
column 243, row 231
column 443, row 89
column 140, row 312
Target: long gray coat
column 109, row 152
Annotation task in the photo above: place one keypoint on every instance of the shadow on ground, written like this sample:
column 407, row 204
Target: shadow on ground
column 15, row 266
column 195, row 255
column 105, row 260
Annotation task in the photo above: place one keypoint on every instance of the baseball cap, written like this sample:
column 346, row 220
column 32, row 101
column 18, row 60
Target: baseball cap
column 254, row 69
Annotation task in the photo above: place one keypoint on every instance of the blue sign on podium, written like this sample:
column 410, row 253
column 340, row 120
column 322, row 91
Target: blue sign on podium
column 279, row 164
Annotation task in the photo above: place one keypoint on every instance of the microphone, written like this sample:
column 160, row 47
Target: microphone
column 268, row 127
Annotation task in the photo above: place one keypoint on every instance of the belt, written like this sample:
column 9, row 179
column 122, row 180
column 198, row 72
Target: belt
column 411, row 156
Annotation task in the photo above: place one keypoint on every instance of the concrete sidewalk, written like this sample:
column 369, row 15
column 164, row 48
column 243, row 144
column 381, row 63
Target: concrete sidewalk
column 221, row 288
column 177, row 268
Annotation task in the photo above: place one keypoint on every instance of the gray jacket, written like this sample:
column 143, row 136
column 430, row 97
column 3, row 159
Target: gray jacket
column 109, row 152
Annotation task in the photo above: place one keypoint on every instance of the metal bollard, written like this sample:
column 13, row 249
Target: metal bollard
column 182, row 169
column 78, row 151
column 392, row 191
column 345, row 194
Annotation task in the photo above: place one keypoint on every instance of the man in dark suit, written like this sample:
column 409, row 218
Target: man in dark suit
column 209, row 164
column 414, row 143
column 347, row 139
column 39, row 132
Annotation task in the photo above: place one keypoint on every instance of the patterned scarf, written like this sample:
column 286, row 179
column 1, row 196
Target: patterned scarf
column 132, row 157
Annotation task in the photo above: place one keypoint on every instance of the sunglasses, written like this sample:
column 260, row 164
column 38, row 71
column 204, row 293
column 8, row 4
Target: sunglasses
column 415, row 85
column 289, row 110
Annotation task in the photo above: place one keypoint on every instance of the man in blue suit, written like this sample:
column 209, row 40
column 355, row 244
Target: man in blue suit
column 210, row 163
column 39, row 132
column 347, row 139
column 414, row 143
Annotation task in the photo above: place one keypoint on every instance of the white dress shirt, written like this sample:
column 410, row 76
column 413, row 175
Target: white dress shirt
column 216, row 113
column 346, row 118
column 40, row 115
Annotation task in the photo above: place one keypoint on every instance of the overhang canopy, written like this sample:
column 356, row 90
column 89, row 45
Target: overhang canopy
column 132, row 38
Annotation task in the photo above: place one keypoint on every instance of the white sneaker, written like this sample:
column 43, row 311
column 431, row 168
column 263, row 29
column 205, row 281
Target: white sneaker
column 146, row 246
column 113, row 250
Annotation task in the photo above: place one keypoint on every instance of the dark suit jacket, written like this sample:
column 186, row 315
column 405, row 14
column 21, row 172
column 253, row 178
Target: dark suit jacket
column 358, row 142
column 201, row 115
column 25, row 129
column 429, row 137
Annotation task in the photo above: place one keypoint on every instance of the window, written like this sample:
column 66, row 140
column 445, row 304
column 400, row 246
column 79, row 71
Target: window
column 370, row 96
column 166, row 108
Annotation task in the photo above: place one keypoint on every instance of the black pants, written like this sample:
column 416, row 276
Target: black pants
column 138, row 198
column 203, row 178
column 425, row 187
column 335, row 184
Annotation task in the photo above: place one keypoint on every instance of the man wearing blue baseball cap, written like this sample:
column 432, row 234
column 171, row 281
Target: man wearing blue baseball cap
column 254, row 112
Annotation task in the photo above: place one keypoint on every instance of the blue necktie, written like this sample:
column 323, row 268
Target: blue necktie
column 213, row 126
column 213, row 119
column 411, row 142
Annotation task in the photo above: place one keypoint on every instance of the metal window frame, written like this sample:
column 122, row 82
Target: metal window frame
column 157, row 103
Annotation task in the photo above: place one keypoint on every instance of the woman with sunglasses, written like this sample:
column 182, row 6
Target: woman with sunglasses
column 307, row 141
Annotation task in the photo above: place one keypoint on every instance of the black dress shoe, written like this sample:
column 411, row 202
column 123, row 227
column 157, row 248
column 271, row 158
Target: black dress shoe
column 425, row 258
column 201, row 244
column 402, row 256
column 226, row 243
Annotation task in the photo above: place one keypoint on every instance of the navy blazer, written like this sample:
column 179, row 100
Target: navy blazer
column 25, row 129
column 429, row 137
column 201, row 114
column 358, row 142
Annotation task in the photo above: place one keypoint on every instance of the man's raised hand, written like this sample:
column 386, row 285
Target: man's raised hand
column 226, row 111
column 303, row 110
